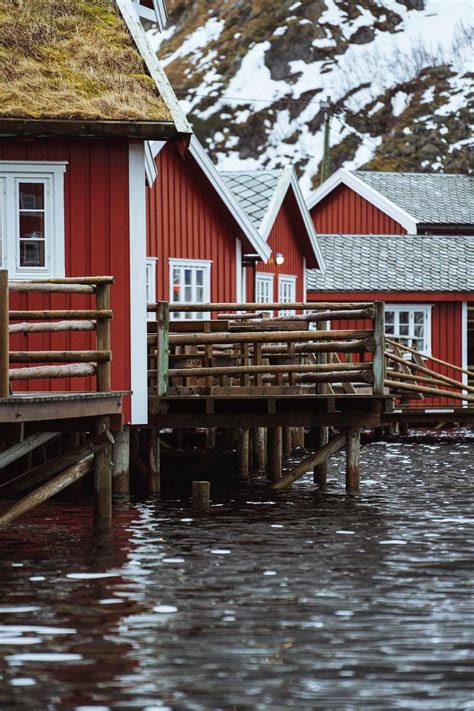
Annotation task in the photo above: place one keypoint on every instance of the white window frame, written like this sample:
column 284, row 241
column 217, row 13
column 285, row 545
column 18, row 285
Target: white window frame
column 203, row 264
column 151, row 284
column 267, row 281
column 51, row 175
column 285, row 280
column 411, row 308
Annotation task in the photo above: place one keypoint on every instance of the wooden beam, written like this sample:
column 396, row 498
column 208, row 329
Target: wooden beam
column 60, row 314
column 310, row 462
column 297, row 306
column 89, row 128
column 352, row 459
column 103, row 477
column 101, row 356
column 28, row 445
column 74, row 370
column 51, row 327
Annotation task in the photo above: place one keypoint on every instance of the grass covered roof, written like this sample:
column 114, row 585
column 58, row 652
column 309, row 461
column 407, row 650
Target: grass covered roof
column 74, row 60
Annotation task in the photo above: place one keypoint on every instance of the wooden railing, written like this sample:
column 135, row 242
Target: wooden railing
column 51, row 364
column 243, row 350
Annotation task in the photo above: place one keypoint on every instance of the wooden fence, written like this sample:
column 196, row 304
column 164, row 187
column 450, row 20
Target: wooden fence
column 51, row 364
column 243, row 351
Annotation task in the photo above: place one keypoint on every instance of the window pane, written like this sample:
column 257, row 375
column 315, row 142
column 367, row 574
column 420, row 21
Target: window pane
column 418, row 331
column 389, row 317
column 389, row 329
column 31, row 253
column 404, row 317
column 199, row 277
column 419, row 317
column 31, row 196
column 188, row 295
column 176, row 285
column 199, row 295
column 188, row 277
column 404, row 331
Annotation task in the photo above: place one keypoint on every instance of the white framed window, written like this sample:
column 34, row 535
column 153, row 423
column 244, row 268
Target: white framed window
column 287, row 292
column 264, row 290
column 409, row 324
column 151, row 284
column 190, row 283
column 32, row 219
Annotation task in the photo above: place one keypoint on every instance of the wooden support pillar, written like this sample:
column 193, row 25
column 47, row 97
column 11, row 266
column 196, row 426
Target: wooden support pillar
column 153, row 483
column 244, row 441
column 275, row 453
column 300, row 437
column 287, row 441
column 121, row 462
column 211, row 438
column 201, row 495
column 320, row 471
column 403, row 428
column 259, row 449
column 102, row 480
column 352, row 459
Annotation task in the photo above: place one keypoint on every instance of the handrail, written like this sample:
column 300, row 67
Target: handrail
column 238, row 352
column 52, row 364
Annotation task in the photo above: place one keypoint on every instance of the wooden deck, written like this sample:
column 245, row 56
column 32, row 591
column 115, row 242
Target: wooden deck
column 69, row 411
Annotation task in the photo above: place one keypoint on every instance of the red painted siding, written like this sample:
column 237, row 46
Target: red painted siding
column 285, row 237
column 187, row 220
column 96, row 200
column 446, row 329
column 343, row 211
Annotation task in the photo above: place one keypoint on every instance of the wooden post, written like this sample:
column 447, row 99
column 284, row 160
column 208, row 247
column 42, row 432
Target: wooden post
column 352, row 459
column 244, row 446
column 102, row 480
column 121, row 462
column 103, row 337
column 4, row 335
column 320, row 471
column 259, row 449
column 201, row 495
column 162, row 347
column 287, row 441
column 309, row 462
column 275, row 453
column 379, row 348
column 154, row 470
column 210, row 438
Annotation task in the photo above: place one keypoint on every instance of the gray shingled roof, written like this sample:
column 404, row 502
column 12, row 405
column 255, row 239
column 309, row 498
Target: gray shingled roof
column 253, row 189
column 431, row 198
column 395, row 263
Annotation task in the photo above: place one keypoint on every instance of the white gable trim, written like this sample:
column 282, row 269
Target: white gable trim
column 153, row 65
column 289, row 180
column 344, row 177
column 210, row 171
column 150, row 165
column 157, row 15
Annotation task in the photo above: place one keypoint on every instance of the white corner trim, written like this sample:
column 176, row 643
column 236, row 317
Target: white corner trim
column 464, row 346
column 210, row 171
column 275, row 202
column 344, row 177
column 238, row 272
column 153, row 65
column 310, row 228
column 305, row 283
column 138, row 306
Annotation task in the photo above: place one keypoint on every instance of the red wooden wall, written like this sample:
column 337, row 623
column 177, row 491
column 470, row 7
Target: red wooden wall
column 187, row 220
column 446, row 331
column 96, row 199
column 343, row 211
column 285, row 237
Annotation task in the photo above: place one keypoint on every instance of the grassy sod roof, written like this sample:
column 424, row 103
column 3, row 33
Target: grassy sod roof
column 73, row 60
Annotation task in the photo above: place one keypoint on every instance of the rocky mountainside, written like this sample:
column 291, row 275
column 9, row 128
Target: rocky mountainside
column 254, row 76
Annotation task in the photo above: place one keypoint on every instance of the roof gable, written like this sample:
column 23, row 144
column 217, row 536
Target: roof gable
column 261, row 194
column 430, row 263
column 66, row 65
column 207, row 167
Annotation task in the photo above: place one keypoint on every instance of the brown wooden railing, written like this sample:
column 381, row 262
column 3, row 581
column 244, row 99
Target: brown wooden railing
column 52, row 364
column 243, row 351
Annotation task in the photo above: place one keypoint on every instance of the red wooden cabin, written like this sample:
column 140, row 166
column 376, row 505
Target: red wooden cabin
column 72, row 184
column 385, row 204
column 198, row 235
column 273, row 201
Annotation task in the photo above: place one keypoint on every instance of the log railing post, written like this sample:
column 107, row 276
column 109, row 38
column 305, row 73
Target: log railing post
column 379, row 348
column 4, row 336
column 162, row 347
column 103, row 337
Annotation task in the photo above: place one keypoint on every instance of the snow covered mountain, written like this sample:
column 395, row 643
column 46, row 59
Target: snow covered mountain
column 398, row 75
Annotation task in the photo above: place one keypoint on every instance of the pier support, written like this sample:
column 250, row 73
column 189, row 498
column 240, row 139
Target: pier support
column 352, row 460
column 102, row 480
column 320, row 471
column 244, row 451
column 210, row 438
column 121, row 462
column 259, row 449
column 275, row 453
column 201, row 495
column 153, row 483
column 287, row 441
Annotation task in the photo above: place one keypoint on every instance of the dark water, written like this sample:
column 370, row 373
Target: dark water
column 298, row 601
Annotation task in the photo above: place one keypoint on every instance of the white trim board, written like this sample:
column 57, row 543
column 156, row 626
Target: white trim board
column 153, row 65
column 138, row 305
column 345, row 177
column 157, row 15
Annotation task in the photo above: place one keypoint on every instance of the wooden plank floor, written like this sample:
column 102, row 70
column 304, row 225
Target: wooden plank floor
column 58, row 406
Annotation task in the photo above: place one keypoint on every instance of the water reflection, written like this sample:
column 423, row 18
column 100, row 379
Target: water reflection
column 294, row 601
